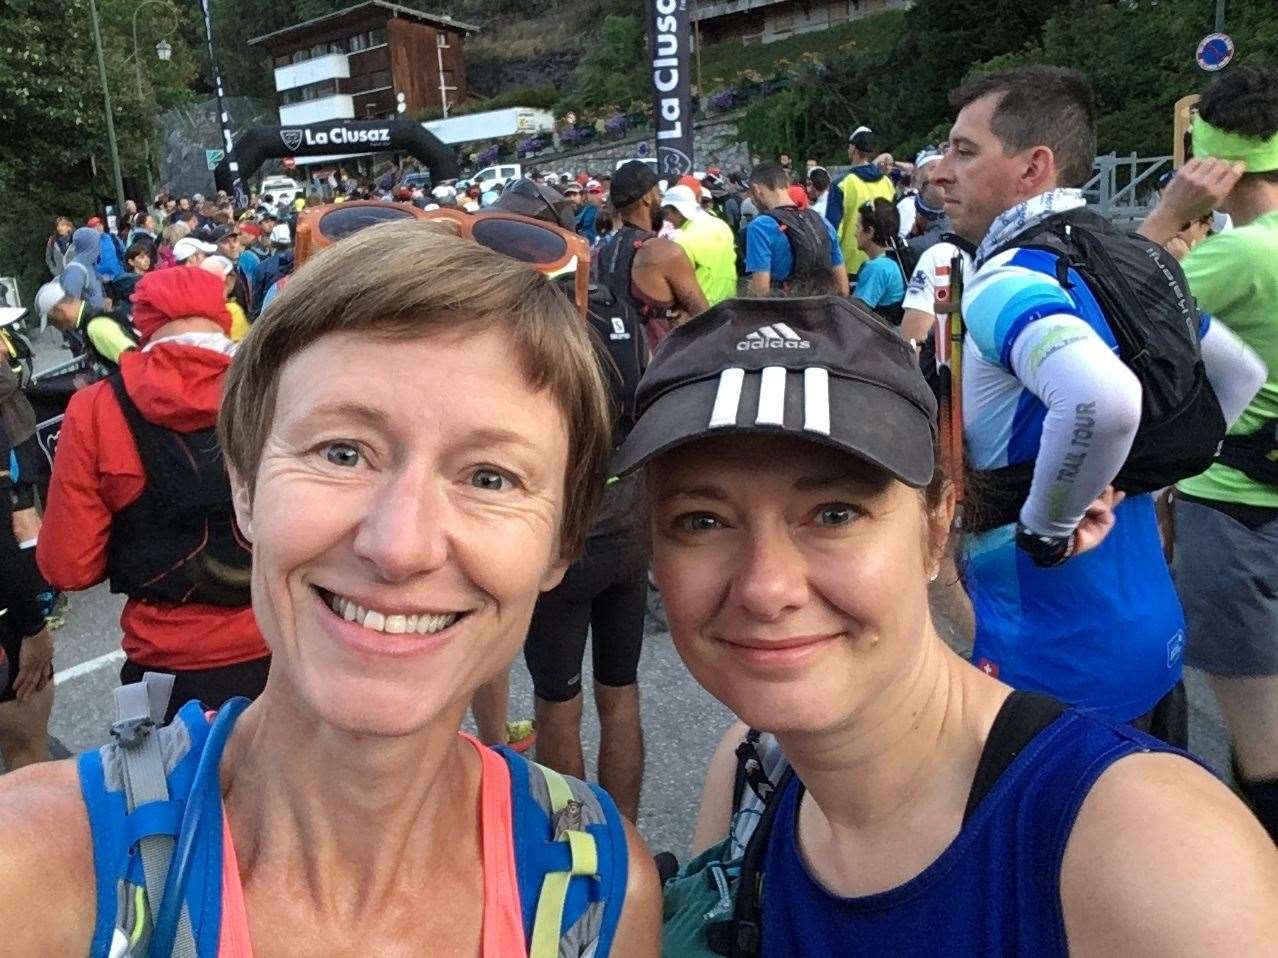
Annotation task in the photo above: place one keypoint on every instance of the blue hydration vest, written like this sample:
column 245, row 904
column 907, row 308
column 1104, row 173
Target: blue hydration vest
column 570, row 842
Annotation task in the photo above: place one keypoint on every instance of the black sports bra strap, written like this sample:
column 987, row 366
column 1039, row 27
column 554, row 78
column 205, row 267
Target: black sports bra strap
column 1023, row 715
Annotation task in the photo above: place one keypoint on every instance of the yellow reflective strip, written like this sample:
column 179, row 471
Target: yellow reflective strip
column 557, row 785
column 585, row 854
column 139, row 915
column 550, row 916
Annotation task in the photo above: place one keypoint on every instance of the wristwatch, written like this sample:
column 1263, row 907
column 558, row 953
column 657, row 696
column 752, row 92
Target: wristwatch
column 1046, row 551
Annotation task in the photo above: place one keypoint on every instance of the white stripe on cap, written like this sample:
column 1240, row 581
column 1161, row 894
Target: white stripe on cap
column 767, row 332
column 816, row 401
column 771, row 397
column 728, row 398
column 787, row 332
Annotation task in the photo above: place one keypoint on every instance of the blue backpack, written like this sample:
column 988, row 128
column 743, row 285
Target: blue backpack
column 155, row 812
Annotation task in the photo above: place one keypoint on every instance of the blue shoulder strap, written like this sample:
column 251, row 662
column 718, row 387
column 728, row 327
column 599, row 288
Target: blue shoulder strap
column 538, row 853
column 117, row 862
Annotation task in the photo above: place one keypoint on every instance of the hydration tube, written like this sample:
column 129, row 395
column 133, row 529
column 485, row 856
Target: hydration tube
column 204, row 785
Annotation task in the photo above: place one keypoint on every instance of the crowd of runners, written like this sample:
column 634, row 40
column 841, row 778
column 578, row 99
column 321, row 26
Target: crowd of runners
column 346, row 459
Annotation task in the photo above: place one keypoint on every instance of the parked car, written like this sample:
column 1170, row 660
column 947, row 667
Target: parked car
column 282, row 189
column 650, row 160
column 502, row 173
column 416, row 181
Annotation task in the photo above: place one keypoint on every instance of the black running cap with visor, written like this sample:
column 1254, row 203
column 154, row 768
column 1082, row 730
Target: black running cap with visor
column 816, row 368
column 631, row 182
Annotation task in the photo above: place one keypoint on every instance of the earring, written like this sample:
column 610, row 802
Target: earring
column 934, row 576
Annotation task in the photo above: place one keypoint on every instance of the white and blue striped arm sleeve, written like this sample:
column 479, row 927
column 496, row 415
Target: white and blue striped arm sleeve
column 1093, row 411
column 1002, row 300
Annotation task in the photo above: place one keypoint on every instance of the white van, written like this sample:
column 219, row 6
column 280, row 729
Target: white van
column 503, row 173
column 282, row 189
column 650, row 160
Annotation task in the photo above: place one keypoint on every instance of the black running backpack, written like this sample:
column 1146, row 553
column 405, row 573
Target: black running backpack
column 810, row 243
column 1145, row 297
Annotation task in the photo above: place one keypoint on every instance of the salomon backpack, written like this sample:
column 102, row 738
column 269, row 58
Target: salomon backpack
column 1146, row 302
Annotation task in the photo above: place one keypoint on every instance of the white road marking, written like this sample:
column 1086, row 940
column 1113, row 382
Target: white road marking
column 92, row 665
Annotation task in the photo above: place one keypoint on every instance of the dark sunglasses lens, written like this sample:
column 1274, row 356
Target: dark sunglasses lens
column 341, row 223
column 526, row 242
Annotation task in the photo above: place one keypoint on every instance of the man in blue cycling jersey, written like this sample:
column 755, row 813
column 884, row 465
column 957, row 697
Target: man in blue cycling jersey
column 1075, row 599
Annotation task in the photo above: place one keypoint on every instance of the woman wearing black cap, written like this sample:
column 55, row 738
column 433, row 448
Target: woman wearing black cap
column 797, row 517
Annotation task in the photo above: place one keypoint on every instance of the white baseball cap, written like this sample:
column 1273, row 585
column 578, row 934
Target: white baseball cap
column 48, row 296
column 219, row 266
column 188, row 246
column 280, row 234
column 681, row 198
column 445, row 192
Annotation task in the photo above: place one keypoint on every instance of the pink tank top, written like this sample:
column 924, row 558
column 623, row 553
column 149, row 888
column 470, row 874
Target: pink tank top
column 503, row 933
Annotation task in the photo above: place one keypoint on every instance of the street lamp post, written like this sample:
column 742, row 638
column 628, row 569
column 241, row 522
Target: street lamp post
column 163, row 51
column 110, row 120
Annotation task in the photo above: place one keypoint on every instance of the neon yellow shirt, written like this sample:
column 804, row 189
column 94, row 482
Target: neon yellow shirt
column 1234, row 277
column 856, row 193
column 710, row 245
column 108, row 338
column 239, row 322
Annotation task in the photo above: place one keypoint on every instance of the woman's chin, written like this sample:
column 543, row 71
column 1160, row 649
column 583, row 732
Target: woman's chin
column 781, row 708
column 363, row 705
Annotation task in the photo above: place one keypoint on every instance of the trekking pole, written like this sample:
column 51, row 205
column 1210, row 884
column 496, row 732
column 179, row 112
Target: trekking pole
column 951, row 418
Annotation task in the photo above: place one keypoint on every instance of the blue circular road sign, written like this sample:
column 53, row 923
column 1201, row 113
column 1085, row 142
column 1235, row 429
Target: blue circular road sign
column 1215, row 52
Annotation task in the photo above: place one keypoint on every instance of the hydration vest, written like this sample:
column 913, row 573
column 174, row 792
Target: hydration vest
column 178, row 542
column 1145, row 299
column 810, row 243
column 154, row 805
column 100, row 363
column 615, row 264
column 624, row 353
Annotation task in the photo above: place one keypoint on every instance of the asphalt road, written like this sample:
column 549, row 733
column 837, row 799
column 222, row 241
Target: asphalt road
column 681, row 722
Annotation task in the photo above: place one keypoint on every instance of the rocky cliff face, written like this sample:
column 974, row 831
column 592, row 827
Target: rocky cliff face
column 488, row 74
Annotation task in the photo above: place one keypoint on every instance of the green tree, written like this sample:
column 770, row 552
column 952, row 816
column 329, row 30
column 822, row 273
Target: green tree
column 53, row 151
column 826, row 98
column 1139, row 57
column 611, row 72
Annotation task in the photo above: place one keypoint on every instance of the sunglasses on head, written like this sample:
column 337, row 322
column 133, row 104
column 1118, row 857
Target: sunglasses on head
column 550, row 249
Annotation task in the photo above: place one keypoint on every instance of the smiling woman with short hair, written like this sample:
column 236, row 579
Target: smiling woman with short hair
column 417, row 435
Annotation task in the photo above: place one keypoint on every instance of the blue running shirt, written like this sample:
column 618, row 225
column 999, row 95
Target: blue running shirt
column 1105, row 630
column 994, row 891
column 768, row 250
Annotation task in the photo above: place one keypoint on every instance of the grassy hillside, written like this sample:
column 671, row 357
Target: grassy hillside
column 720, row 62
column 544, row 49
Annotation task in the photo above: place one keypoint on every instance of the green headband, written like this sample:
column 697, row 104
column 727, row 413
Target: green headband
column 1260, row 155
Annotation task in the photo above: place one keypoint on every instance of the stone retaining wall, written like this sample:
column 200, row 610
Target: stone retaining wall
column 716, row 143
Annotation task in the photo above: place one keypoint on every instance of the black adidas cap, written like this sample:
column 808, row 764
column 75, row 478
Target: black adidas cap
column 815, row 367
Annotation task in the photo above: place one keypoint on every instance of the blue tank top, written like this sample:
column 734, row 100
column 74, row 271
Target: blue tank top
column 994, row 891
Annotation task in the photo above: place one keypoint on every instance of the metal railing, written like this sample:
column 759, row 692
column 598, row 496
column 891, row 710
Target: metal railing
column 1125, row 187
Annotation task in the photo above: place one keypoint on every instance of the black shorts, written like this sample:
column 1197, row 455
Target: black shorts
column 604, row 592
column 211, row 687
column 10, row 643
column 32, row 469
column 10, row 649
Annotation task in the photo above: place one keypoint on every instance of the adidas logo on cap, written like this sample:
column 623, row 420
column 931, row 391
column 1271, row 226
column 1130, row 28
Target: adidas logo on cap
column 776, row 336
